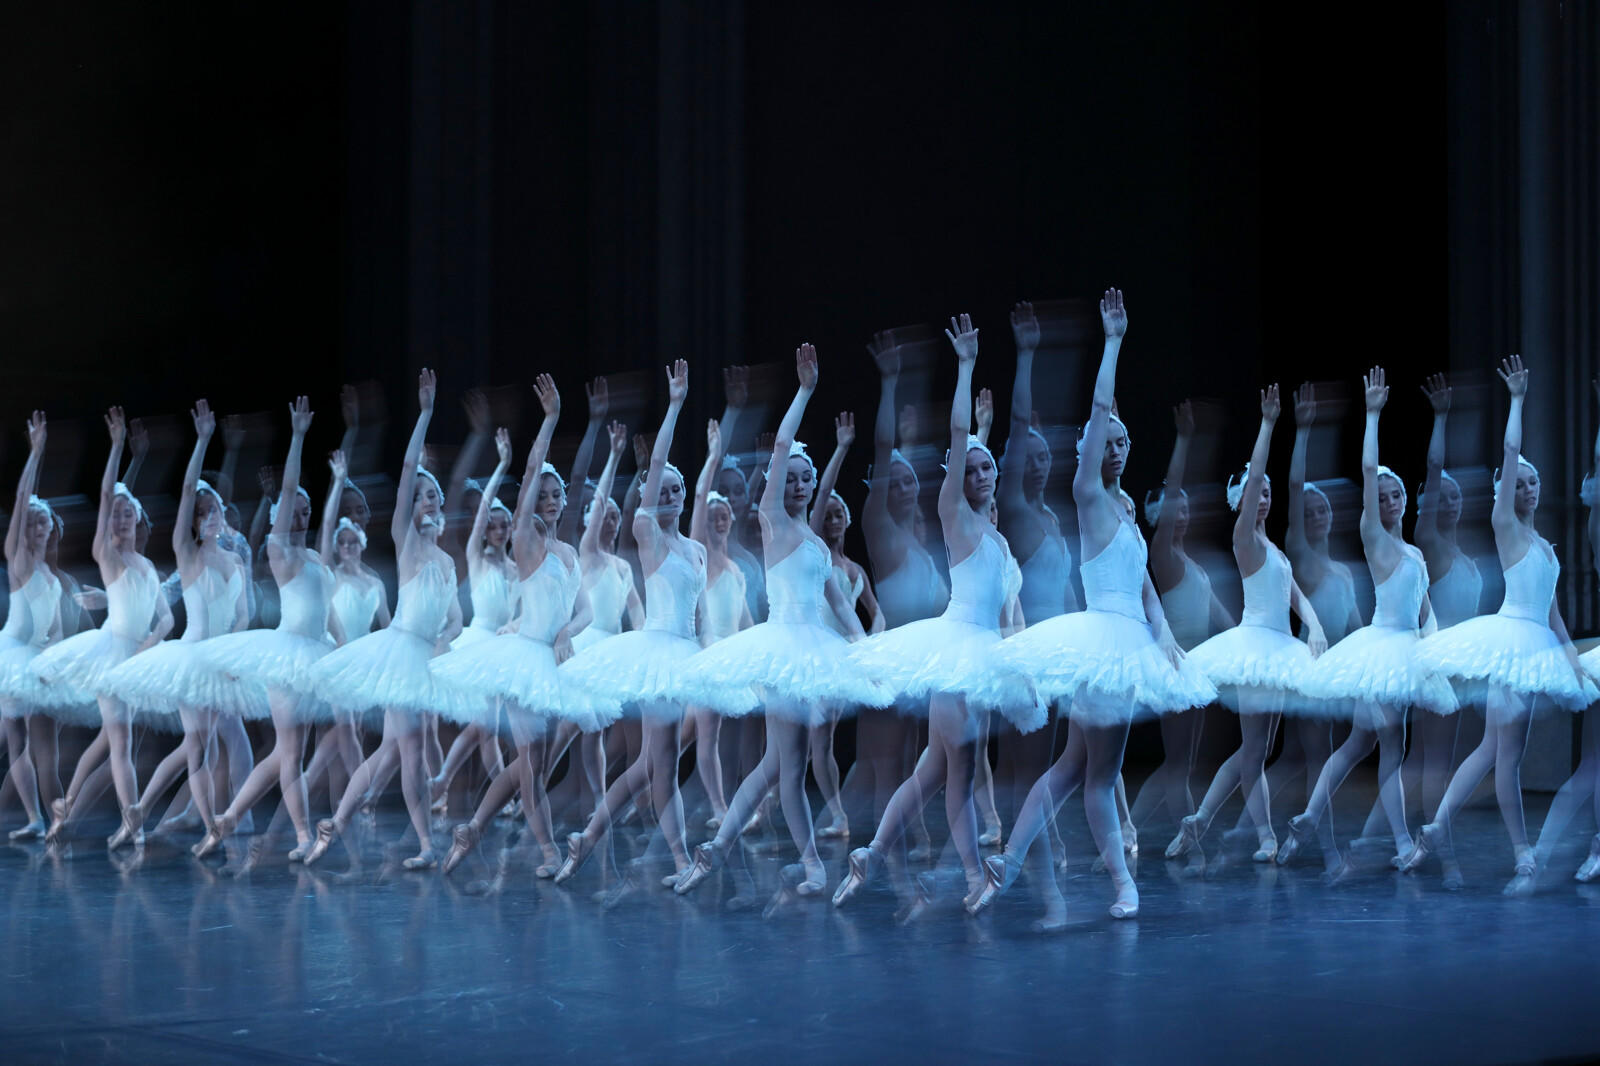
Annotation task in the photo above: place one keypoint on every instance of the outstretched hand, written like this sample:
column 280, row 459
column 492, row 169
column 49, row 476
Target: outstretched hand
column 544, row 386
column 1113, row 314
column 138, row 438
column 1024, row 327
column 1437, row 390
column 350, row 406
column 641, row 451
column 337, row 468
column 205, row 423
column 479, row 417
column 1514, row 374
column 1183, row 419
column 678, row 382
column 1270, row 407
column 427, row 389
column 619, row 438
column 117, row 425
column 36, row 431
column 963, row 338
column 886, row 354
column 300, row 416
column 736, row 385
column 1305, row 405
column 844, row 429
column 599, row 396
column 502, row 446
column 1375, row 389
column 713, row 437
column 984, row 418
column 805, row 366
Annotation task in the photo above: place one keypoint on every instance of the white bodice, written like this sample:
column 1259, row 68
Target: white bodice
column 914, row 590
column 1047, row 579
column 131, row 603
column 1531, row 584
column 33, row 609
column 1398, row 600
column 1455, row 597
column 304, row 601
column 494, row 597
column 1334, row 601
column 670, row 595
column 1187, row 605
column 608, row 595
column 210, row 603
column 356, row 603
column 547, row 597
column 423, row 603
column 724, row 605
column 978, row 586
column 1266, row 593
column 1113, row 581
column 797, row 585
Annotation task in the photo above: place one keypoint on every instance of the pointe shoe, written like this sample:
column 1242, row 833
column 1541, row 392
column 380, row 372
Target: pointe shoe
column 1267, row 852
column 1339, row 874
column 1526, row 870
column 1300, row 830
column 1453, row 881
column 1000, row 873
column 864, row 862
column 715, row 821
column 578, row 853
column 327, row 830
column 301, row 849
column 131, row 830
column 423, row 860
column 463, row 839
column 991, row 835
column 839, row 829
column 1591, row 866
column 1427, row 842
column 548, row 868
column 1188, row 838
column 707, row 858
column 1127, row 903
column 221, row 828
column 32, row 831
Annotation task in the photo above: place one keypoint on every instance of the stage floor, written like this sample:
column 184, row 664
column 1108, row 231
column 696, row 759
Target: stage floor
column 153, row 957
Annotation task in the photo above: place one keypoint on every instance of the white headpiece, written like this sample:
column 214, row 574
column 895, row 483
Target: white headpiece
column 1236, row 488
column 546, row 468
column 37, row 503
column 344, row 524
column 425, row 472
column 272, row 515
column 716, row 497
column 1444, row 475
column 204, row 486
column 897, row 456
column 119, row 489
column 1154, row 500
column 1081, row 432
column 351, row 486
column 1384, row 471
column 797, row 450
column 834, row 495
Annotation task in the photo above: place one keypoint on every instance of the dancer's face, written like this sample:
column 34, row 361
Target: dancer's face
column 1264, row 508
column 1036, row 467
column 902, row 491
column 124, row 519
column 610, row 524
column 1449, row 512
column 353, row 505
column 669, row 499
column 799, row 485
column 978, row 484
column 348, row 546
column 1116, row 454
column 552, row 499
column 833, row 521
column 300, row 517
column 1391, row 501
column 208, row 522
column 1527, row 491
column 1180, row 513
column 731, row 483
column 498, row 529
column 427, row 508
column 38, row 530
column 720, row 518
column 1318, row 515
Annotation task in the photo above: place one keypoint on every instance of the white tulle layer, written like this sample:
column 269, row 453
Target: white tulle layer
column 69, row 674
column 260, row 659
column 1513, row 653
column 388, row 669
column 1254, row 657
column 1103, row 668
column 1376, row 665
column 936, row 655
column 589, row 637
column 642, row 668
column 791, row 669
column 469, row 636
column 513, row 669
column 19, row 688
column 155, row 683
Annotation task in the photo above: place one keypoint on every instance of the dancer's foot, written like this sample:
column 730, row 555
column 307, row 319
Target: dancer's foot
column 990, row 836
column 1267, row 851
column 34, row 830
column 1300, row 831
column 1521, row 884
column 864, row 862
column 1427, row 842
column 578, row 851
column 1188, row 838
column 1130, row 840
column 999, row 873
column 1055, row 916
column 1453, row 880
column 715, row 821
column 813, row 882
column 463, row 839
column 552, row 863
column 1127, row 902
column 186, row 822
column 327, row 831
column 422, row 860
column 131, row 830
column 221, row 828
column 1591, row 866
column 1338, row 872
column 839, row 829
column 707, row 857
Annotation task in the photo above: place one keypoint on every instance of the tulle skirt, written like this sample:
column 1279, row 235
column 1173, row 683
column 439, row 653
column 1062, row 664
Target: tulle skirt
column 173, row 674
column 471, row 635
column 589, row 637
column 791, row 669
column 1517, row 654
column 1376, row 665
column 19, row 688
column 261, row 659
column 1104, row 668
column 512, row 669
column 642, row 669
column 388, row 669
column 1269, row 661
column 947, row 655
column 70, row 674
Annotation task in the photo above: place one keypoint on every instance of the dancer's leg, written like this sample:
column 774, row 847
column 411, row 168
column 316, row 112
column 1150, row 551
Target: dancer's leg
column 951, row 724
column 825, row 768
column 21, row 772
column 661, row 751
column 983, row 786
column 44, row 734
column 1578, row 791
column 708, row 760
column 410, row 732
column 787, row 736
column 1103, row 748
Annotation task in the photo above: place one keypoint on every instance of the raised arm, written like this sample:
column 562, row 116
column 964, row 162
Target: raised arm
column 1025, row 331
column 117, row 426
column 1504, row 515
column 805, row 365
column 299, row 425
column 1163, row 558
column 1305, row 415
column 138, row 448
column 338, row 470
column 1095, row 515
column 350, row 408
column 1375, row 391
column 1244, row 526
column 1316, row 640
column 205, row 424
column 480, row 424
column 544, row 387
column 480, row 521
column 702, row 484
column 677, row 393
column 599, row 398
column 16, row 541
column 1437, row 390
column 617, row 438
column 844, row 434
column 952, row 500
column 983, row 415
column 405, row 493
column 875, row 515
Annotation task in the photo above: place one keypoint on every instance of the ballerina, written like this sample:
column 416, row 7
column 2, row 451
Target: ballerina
column 517, row 671
column 792, row 666
column 642, row 667
column 1110, row 664
column 943, row 664
column 389, row 668
column 33, row 622
column 173, row 682
column 1192, row 611
column 1522, row 653
column 71, row 673
column 830, row 521
column 281, row 661
column 1258, row 662
column 1371, row 675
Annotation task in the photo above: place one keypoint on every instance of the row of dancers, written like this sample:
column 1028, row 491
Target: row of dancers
column 563, row 652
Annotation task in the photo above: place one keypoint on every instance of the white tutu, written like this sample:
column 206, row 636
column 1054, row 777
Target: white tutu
column 174, row 673
column 1515, row 653
column 1263, row 659
column 69, row 674
column 642, row 668
column 471, row 635
column 19, row 688
column 254, row 661
column 1377, row 665
column 588, row 637
column 388, row 669
column 1104, row 668
column 793, row 669
column 943, row 654
column 509, row 668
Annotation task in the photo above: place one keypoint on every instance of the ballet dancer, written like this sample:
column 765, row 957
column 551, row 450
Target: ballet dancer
column 1112, row 663
column 792, row 666
column 1371, row 676
column 1521, row 653
column 1258, row 665
column 389, row 668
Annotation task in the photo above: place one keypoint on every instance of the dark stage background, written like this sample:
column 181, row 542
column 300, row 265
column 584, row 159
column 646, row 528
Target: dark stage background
column 248, row 201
